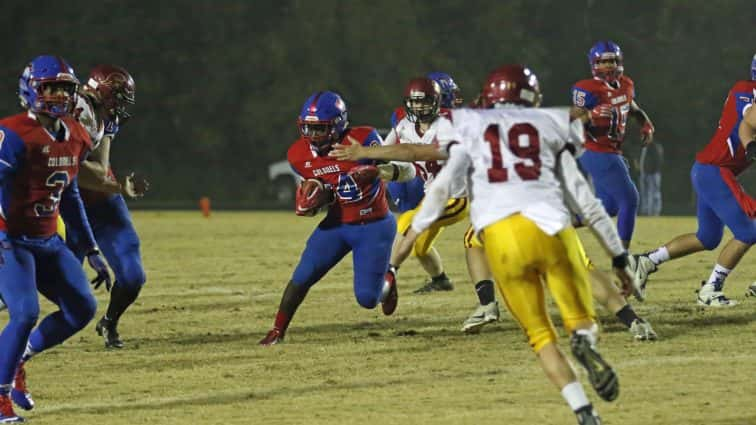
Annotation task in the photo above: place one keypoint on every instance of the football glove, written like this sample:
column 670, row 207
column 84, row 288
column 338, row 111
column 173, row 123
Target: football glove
column 647, row 132
column 751, row 151
column 600, row 113
column 98, row 264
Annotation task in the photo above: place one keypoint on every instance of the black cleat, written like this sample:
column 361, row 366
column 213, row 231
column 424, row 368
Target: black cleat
column 588, row 416
column 435, row 285
column 600, row 374
column 108, row 330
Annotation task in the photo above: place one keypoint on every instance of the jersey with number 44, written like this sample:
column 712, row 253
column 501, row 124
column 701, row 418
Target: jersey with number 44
column 606, row 135
column 355, row 203
column 512, row 155
column 36, row 166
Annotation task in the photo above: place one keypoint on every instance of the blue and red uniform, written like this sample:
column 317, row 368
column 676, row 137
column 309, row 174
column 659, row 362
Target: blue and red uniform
column 38, row 172
column 721, row 200
column 358, row 220
column 603, row 159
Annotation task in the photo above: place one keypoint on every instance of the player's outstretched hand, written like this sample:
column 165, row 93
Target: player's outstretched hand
column 134, row 186
column 350, row 151
column 625, row 276
column 98, row 264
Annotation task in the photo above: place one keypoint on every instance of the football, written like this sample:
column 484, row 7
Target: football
column 311, row 196
column 364, row 174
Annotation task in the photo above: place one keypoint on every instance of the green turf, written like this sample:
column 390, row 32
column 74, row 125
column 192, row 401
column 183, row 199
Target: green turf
column 213, row 289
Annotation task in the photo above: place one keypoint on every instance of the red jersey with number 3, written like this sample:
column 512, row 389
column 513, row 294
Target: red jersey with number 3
column 46, row 166
column 355, row 203
column 607, row 134
column 725, row 148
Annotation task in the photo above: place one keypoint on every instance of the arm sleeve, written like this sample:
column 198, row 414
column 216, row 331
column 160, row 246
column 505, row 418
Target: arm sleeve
column 581, row 200
column 72, row 210
column 439, row 190
column 11, row 152
column 400, row 171
column 391, row 138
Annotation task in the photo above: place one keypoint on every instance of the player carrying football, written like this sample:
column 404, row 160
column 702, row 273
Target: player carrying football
column 519, row 162
column 40, row 153
column 720, row 200
column 610, row 98
column 358, row 218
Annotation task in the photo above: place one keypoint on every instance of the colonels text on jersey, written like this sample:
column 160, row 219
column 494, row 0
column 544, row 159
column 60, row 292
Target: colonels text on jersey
column 355, row 203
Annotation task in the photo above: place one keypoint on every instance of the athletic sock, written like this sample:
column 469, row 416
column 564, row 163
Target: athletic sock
column 718, row 276
column 659, row 255
column 485, row 291
column 627, row 315
column 574, row 395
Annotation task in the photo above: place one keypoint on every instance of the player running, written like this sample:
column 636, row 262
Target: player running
column 102, row 108
column 358, row 218
column 610, row 98
column 40, row 153
column 519, row 165
column 720, row 200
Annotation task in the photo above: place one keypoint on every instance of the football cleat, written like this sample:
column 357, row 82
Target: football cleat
column 19, row 393
column 643, row 268
column 7, row 415
column 711, row 295
column 588, row 416
column 274, row 336
column 642, row 330
column 600, row 374
column 388, row 305
column 108, row 329
column 483, row 315
column 750, row 292
column 435, row 285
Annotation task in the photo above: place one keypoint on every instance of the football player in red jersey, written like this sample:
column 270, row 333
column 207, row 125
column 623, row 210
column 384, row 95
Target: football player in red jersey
column 358, row 218
column 102, row 108
column 721, row 201
column 40, row 152
column 610, row 98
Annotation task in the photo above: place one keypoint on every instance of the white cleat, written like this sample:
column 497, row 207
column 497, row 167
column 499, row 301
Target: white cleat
column 642, row 330
column 483, row 315
column 643, row 268
column 712, row 296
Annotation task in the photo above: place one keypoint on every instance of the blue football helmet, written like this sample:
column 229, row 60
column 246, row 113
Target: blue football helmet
column 46, row 71
column 753, row 68
column 450, row 95
column 606, row 50
column 323, row 119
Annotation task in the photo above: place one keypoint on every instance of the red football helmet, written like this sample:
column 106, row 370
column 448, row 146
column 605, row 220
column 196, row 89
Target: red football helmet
column 112, row 87
column 511, row 84
column 422, row 99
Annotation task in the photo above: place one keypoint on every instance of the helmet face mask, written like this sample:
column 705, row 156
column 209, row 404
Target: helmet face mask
column 605, row 58
column 323, row 119
column 422, row 100
column 48, row 86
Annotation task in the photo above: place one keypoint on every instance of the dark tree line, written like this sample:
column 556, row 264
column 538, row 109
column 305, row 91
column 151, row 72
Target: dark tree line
column 219, row 83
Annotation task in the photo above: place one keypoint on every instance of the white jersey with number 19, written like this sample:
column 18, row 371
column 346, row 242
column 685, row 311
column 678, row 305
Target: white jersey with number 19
column 512, row 156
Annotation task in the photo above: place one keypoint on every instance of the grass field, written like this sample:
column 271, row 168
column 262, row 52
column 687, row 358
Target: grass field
column 213, row 289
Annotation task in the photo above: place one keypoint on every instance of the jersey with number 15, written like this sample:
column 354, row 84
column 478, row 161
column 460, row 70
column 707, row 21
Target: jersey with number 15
column 36, row 167
column 513, row 155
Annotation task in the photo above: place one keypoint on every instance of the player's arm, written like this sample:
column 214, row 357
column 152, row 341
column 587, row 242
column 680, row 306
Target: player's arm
column 354, row 151
column 747, row 133
column 93, row 174
column 72, row 210
column 436, row 196
column 581, row 200
column 647, row 127
column 12, row 151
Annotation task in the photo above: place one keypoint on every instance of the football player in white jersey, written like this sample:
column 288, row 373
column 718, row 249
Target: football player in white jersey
column 522, row 176
column 422, row 103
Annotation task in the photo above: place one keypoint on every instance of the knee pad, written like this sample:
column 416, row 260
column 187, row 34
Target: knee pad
column 132, row 278
column 84, row 312
column 709, row 239
column 367, row 299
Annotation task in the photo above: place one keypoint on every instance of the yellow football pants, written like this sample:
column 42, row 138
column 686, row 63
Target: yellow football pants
column 521, row 255
column 455, row 211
